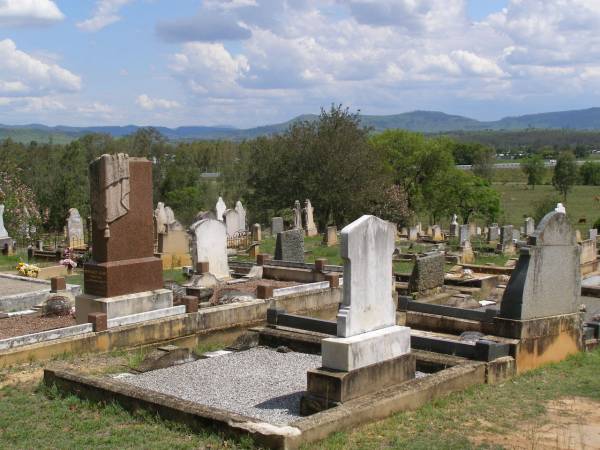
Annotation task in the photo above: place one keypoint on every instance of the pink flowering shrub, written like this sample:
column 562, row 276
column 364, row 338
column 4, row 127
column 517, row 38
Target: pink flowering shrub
column 21, row 212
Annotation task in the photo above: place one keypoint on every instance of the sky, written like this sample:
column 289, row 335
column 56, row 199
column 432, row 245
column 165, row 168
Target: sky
column 245, row 63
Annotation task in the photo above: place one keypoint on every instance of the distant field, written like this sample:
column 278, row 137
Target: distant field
column 519, row 200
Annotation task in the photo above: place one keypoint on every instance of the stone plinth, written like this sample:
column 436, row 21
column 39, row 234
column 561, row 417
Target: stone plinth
column 428, row 273
column 361, row 350
column 290, row 246
column 122, row 305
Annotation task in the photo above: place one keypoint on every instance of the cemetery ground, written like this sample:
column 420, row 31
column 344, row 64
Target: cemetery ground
column 553, row 406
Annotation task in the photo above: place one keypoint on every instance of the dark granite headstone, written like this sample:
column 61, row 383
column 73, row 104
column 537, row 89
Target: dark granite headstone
column 290, row 246
column 428, row 273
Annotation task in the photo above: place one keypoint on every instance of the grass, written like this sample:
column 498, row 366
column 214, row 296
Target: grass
column 446, row 423
column 519, row 201
column 37, row 417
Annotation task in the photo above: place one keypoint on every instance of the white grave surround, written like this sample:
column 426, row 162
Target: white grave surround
column 366, row 323
column 209, row 243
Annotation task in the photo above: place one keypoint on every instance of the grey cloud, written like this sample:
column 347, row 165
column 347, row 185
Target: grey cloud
column 207, row 26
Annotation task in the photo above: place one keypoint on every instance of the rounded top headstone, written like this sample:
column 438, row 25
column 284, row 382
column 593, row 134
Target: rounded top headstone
column 554, row 229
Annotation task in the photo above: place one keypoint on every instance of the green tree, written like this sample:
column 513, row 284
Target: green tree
column 534, row 169
column 469, row 196
column 590, row 173
column 565, row 173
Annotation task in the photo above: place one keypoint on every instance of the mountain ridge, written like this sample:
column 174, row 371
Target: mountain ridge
column 419, row 120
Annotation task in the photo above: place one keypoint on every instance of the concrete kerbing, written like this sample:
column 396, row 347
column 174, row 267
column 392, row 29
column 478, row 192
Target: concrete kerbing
column 49, row 335
column 26, row 300
column 145, row 316
column 301, row 288
column 406, row 396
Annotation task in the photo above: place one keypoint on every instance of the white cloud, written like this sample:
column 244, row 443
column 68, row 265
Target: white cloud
column 26, row 75
column 29, row 12
column 150, row 104
column 106, row 12
column 94, row 109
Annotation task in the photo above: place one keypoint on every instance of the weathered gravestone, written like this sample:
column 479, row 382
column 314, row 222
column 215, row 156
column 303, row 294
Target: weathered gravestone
column 290, row 246
column 232, row 222
column 454, row 226
column 330, row 238
column 173, row 241
column 241, row 215
column 209, row 244
column 123, row 260
column 464, row 235
column 428, row 273
column 297, row 212
column 516, row 234
column 436, row 233
column 413, row 234
column 256, row 233
column 370, row 351
column 5, row 240
column 493, row 233
column 75, row 231
column 309, row 223
column 506, row 244
column 546, row 280
column 220, row 208
column 529, row 226
column 276, row 225
column 593, row 233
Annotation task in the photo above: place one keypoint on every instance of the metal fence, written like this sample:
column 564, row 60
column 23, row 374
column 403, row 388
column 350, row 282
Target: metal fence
column 239, row 240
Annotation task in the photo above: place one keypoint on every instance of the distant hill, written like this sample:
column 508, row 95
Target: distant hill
column 422, row 121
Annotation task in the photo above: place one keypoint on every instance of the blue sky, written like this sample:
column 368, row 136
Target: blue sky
column 253, row 62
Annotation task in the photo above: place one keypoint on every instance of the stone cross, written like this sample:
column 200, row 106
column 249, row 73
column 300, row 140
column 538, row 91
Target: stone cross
column 220, row 208
column 297, row 210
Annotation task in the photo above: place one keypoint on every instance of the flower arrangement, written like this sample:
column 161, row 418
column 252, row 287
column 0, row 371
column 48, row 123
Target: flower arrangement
column 27, row 270
column 68, row 262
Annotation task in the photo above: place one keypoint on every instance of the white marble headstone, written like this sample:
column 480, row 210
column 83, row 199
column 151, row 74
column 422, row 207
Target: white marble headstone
column 209, row 243
column 3, row 232
column 232, row 221
column 75, row 226
column 241, row 215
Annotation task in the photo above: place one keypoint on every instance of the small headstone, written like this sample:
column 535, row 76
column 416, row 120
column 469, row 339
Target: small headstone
column 413, row 234
column 578, row 236
column 276, row 225
column 330, row 237
column 546, row 280
column 529, row 226
column 220, row 208
column 516, row 234
column 428, row 273
column 593, row 234
column 75, row 232
column 290, row 246
column 3, row 232
column 454, row 226
column 478, row 231
column 472, row 229
column 232, row 221
column 436, row 233
column 506, row 239
column 256, row 233
column 309, row 223
column 464, row 234
column 297, row 212
column 209, row 243
column 493, row 233
column 241, row 215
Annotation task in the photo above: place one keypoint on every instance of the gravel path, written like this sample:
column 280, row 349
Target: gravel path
column 259, row 382
column 21, row 325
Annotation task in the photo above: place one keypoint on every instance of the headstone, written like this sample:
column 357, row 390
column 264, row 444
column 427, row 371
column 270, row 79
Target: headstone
column 413, row 234
column 220, row 208
column 429, row 231
column 209, row 244
column 366, row 322
column 232, row 221
column 428, row 273
column 173, row 241
column 529, row 226
column 123, row 259
column 290, row 246
column 404, row 231
column 256, row 233
column 593, row 234
column 516, row 236
column 297, row 211
column 506, row 239
column 309, row 223
column 160, row 219
column 3, row 232
column 478, row 231
column 464, row 234
column 75, row 232
column 419, row 227
column 546, row 280
column 467, row 256
column 578, row 236
column 241, row 214
column 5, row 240
column 472, row 229
column 276, row 225
column 493, row 233
column 330, row 237
column 454, row 226
column 436, row 233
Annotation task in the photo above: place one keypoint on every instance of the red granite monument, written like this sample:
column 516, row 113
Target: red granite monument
column 123, row 261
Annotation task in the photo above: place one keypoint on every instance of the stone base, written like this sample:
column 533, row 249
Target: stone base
column 542, row 340
column 123, row 277
column 4, row 241
column 328, row 388
column 123, row 305
column 365, row 349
